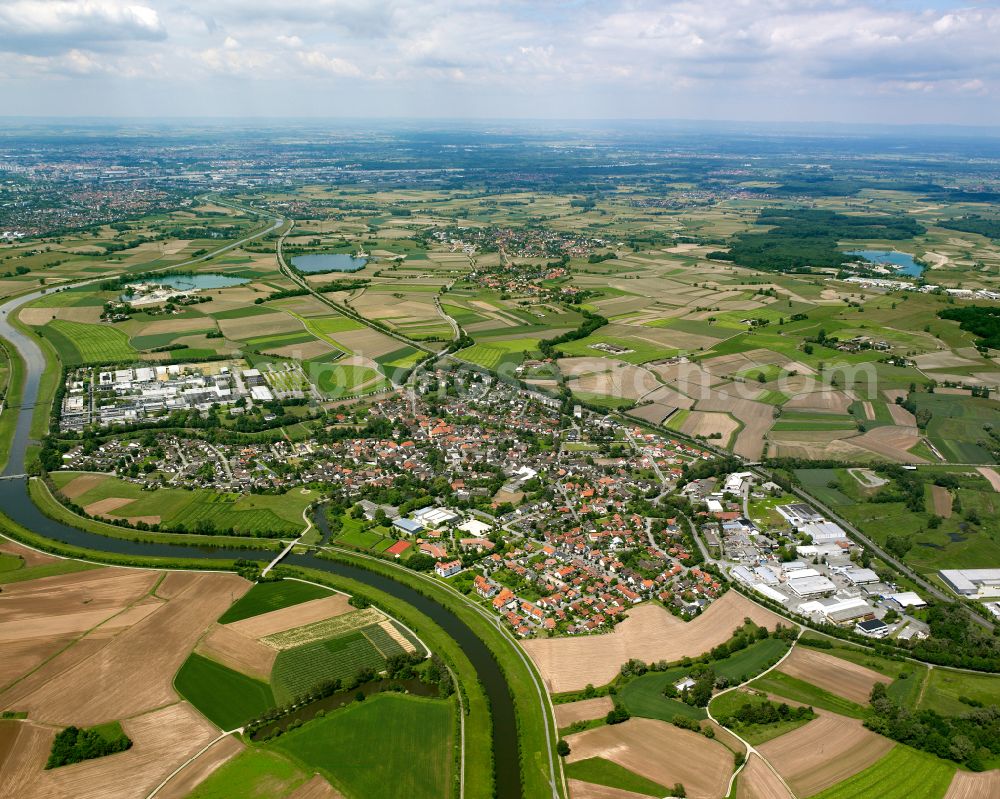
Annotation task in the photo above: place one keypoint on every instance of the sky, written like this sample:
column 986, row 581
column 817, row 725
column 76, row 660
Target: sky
column 880, row 61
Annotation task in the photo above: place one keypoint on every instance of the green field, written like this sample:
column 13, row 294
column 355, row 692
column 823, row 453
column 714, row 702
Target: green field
column 265, row 597
column 338, row 380
column 390, row 745
column 644, row 697
column 780, row 684
column 599, row 771
column 254, row 772
column 192, row 511
column 495, row 353
column 226, row 697
column 728, row 703
column 902, row 774
column 80, row 343
column 944, row 687
column 18, row 573
column 956, row 425
column 296, row 671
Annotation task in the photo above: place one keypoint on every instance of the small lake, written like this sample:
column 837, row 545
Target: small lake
column 903, row 260
column 193, row 282
column 328, row 262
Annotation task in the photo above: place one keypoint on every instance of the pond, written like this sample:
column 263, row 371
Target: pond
column 903, row 261
column 328, row 262
column 191, row 282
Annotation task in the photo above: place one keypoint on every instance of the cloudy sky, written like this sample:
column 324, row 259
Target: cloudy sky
column 906, row 61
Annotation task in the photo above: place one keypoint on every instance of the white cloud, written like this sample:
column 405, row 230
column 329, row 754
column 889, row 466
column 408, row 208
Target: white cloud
column 47, row 26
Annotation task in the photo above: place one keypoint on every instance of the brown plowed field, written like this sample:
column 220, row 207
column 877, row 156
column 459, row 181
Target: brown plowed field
column 640, row 745
column 901, row 416
column 140, row 662
column 195, row 773
column 649, row 633
column 969, row 785
column 38, row 618
column 991, row 475
column 587, row 790
column 161, row 742
column 824, row 752
column 757, row 781
column 278, row 621
column 316, row 788
column 104, row 506
column 891, row 441
column 238, row 651
column 79, row 486
column 584, row 710
column 942, row 501
column 840, row 677
column 81, row 650
column 24, row 748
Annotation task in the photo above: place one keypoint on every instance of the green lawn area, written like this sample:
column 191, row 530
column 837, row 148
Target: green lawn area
column 227, row 698
column 80, row 343
column 644, row 697
column 903, row 773
column 389, row 745
column 944, row 688
column 599, row 771
column 780, row 684
column 254, row 772
column 188, row 511
column 265, row 597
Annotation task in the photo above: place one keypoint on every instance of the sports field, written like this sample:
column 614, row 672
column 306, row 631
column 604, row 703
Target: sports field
column 389, row 745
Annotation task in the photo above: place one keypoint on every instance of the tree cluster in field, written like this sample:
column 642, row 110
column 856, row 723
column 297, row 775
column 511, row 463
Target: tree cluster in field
column 591, row 322
column 973, row 223
column 972, row 739
column 764, row 711
column 73, row 745
column 981, row 320
column 804, row 238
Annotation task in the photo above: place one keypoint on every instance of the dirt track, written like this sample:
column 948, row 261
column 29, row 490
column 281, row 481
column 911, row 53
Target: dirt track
column 649, row 633
column 757, row 781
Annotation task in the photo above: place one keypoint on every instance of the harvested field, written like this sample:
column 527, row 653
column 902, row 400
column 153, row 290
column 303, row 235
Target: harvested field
column 627, row 382
column 79, row 486
column 638, row 744
column 649, row 633
column 161, row 741
column 654, row 413
column 665, row 395
column 105, row 506
column 302, row 352
column 278, row 621
column 901, row 416
column 757, row 781
column 941, row 498
column 178, row 325
column 757, row 419
column 824, row 752
column 990, row 474
column 195, row 773
column 367, row 342
column 891, row 442
column 259, row 325
column 584, row 710
column 588, row 790
column 137, row 665
column 869, row 410
column 237, row 651
column 316, row 788
column 701, row 423
column 833, row 674
column 24, row 748
column 823, row 400
column 970, row 785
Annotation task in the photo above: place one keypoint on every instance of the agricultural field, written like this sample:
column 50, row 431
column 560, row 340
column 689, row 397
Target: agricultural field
column 266, row 597
column 397, row 747
column 229, row 699
column 196, row 510
column 901, row 774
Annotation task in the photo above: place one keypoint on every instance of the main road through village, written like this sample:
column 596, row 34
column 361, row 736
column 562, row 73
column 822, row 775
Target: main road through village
column 16, row 503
